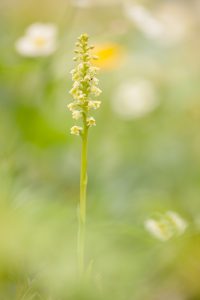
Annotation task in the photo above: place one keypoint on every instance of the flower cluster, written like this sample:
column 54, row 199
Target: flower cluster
column 85, row 86
column 167, row 226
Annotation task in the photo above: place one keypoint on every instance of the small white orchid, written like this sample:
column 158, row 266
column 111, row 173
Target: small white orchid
column 167, row 226
column 135, row 99
column 39, row 40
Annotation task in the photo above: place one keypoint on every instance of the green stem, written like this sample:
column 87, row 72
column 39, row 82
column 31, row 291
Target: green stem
column 82, row 204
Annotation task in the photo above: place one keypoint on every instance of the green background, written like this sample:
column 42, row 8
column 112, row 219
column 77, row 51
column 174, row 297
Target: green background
column 137, row 168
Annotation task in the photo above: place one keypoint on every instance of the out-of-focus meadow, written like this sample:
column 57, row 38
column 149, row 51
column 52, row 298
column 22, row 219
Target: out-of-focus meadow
column 144, row 153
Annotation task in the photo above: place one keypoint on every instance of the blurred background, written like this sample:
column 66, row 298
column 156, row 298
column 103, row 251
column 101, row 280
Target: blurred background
column 144, row 153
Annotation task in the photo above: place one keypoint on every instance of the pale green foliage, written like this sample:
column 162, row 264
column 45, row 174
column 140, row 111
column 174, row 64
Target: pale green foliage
column 85, row 85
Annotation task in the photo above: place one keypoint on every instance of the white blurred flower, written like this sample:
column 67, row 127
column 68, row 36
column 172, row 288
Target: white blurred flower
column 144, row 20
column 178, row 223
column 167, row 226
column 168, row 23
column 39, row 40
column 134, row 99
column 177, row 21
column 158, row 229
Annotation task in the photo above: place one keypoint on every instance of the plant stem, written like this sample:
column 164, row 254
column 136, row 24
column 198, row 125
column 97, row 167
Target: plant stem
column 82, row 204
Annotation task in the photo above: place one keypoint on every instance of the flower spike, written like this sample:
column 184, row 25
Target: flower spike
column 85, row 84
column 84, row 90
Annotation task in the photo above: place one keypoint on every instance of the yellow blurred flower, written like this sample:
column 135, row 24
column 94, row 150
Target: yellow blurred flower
column 110, row 56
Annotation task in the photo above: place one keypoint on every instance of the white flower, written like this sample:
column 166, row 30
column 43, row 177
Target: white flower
column 177, row 22
column 158, row 229
column 143, row 19
column 179, row 224
column 91, row 121
column 76, row 114
column 39, row 40
column 134, row 99
column 94, row 104
column 71, row 106
column 168, row 23
column 76, row 130
column 167, row 226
